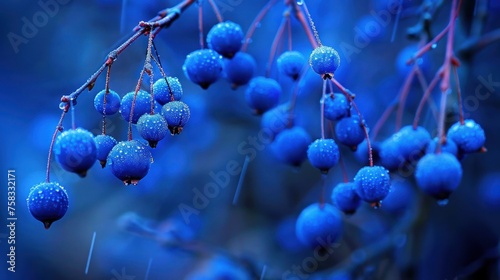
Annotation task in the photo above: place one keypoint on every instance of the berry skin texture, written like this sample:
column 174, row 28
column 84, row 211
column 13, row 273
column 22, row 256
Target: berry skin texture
column 323, row 154
column 47, row 202
column 319, row 224
column 412, row 141
column 112, row 102
column 104, row 144
column 291, row 63
column 203, row 67
column 438, row 174
column 448, row 147
column 350, row 132
column 345, row 197
column 263, row 94
column 469, row 136
column 75, row 150
column 276, row 120
column 372, row 184
column 177, row 114
column 240, row 69
column 130, row 161
column 336, row 106
column 141, row 107
column 165, row 92
column 226, row 38
column 324, row 61
column 152, row 128
column 290, row 146
column 390, row 155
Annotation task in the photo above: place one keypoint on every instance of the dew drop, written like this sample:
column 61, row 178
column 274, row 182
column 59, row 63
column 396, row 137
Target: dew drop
column 442, row 202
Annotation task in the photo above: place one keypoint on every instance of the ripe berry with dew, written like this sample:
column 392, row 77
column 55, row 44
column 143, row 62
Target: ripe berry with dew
column 112, row 102
column 203, row 67
column 438, row 175
column 104, row 144
column 346, row 199
column 469, row 136
column 141, row 107
column 226, row 38
column 291, row 63
column 152, row 128
column 75, row 150
column 47, row 202
column 130, row 161
column 448, row 147
column 336, row 106
column 412, row 142
column 319, row 223
column 290, row 146
column 263, row 94
column 324, row 61
column 177, row 114
column 165, row 92
column 323, row 154
column 373, row 184
column 350, row 132
column 240, row 69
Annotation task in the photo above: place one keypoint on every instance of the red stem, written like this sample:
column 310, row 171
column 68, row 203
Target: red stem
column 58, row 128
column 403, row 94
column 137, row 88
column 424, row 98
column 289, row 26
column 344, row 169
column 216, row 10
column 262, row 13
column 274, row 46
column 305, row 25
column 200, row 25
column 322, row 105
column 459, row 96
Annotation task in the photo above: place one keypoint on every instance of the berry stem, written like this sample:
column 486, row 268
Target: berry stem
column 256, row 22
column 345, row 176
column 311, row 22
column 322, row 108
column 385, row 116
column 442, row 113
column 163, row 74
column 403, row 94
column 349, row 97
column 216, row 10
column 137, row 88
column 424, row 86
column 323, row 190
column 459, row 96
column 274, row 46
column 108, row 75
column 52, row 142
column 200, row 25
column 305, row 25
column 426, row 95
column 289, row 27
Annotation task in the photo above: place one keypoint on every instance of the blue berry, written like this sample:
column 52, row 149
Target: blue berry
column 448, row 147
column 438, row 175
column 130, row 161
column 324, row 61
column 226, row 38
column 469, row 136
column 166, row 90
column 152, row 128
column 345, row 197
column 290, row 146
column 275, row 120
column 412, row 141
column 177, row 114
column 203, row 67
column 390, row 153
column 362, row 155
column 142, row 105
column 350, row 132
column 104, row 144
column 336, row 106
column 319, row 224
column 75, row 150
column 372, row 184
column 291, row 63
column 112, row 102
column 240, row 69
column 400, row 198
column 323, row 154
column 47, row 202
column 263, row 94
column 407, row 53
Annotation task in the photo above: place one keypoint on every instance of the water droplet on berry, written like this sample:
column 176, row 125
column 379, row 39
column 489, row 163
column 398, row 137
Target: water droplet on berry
column 300, row 2
column 434, row 46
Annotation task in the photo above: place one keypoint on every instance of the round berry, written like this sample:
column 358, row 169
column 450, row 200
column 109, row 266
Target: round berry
column 167, row 89
column 104, row 144
column 142, row 105
column 469, row 136
column 372, row 184
column 130, row 161
column 291, row 63
column 112, row 102
column 345, row 197
column 152, row 128
column 390, row 154
column 75, row 150
column 362, row 155
column 412, row 142
column 177, row 114
column 290, row 146
column 407, row 53
column 448, row 147
column 400, row 198
column 350, row 132
column 336, row 106
column 226, row 38
column 276, row 120
column 240, row 69
column 438, row 174
column 324, row 61
column 47, row 202
column 319, row 224
column 323, row 154
column 263, row 94
column 203, row 67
